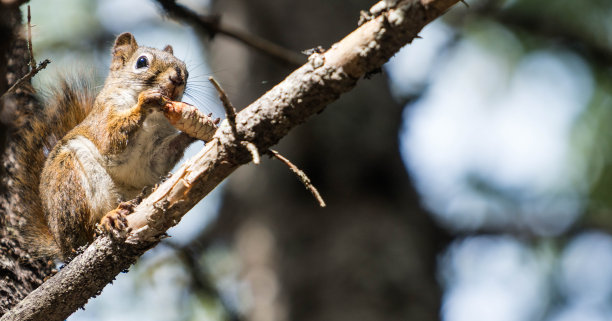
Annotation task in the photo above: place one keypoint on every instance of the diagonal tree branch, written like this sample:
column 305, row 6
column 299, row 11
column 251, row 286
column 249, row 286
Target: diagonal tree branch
column 305, row 92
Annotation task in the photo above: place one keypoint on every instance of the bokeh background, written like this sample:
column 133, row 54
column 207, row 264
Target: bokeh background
column 468, row 181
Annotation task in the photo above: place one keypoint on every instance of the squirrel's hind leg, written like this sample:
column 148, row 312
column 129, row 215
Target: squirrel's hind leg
column 76, row 193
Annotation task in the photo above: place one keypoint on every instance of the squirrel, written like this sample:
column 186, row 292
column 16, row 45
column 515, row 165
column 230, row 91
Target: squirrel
column 102, row 150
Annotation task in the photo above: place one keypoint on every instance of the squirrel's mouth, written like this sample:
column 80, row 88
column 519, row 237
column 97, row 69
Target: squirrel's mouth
column 176, row 84
column 174, row 93
column 177, row 93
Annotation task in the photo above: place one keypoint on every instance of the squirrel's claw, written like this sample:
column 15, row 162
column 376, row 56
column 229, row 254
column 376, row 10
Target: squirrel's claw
column 115, row 223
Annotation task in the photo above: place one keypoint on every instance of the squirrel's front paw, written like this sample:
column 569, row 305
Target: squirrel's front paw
column 115, row 222
column 153, row 99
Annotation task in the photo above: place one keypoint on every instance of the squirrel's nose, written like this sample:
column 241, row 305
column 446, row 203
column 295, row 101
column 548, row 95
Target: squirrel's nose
column 176, row 77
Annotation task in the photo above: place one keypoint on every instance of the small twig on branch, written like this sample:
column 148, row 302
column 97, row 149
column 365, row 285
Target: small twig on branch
column 212, row 26
column 300, row 174
column 230, row 111
column 27, row 77
column 33, row 68
column 32, row 60
column 253, row 150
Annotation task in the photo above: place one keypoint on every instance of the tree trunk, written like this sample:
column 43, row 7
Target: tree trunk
column 370, row 255
column 19, row 273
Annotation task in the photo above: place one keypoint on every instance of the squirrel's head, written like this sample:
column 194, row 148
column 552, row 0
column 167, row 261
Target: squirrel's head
column 142, row 68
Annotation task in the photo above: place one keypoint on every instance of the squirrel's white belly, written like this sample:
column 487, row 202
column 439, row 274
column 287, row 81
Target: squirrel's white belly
column 139, row 165
column 100, row 190
column 112, row 179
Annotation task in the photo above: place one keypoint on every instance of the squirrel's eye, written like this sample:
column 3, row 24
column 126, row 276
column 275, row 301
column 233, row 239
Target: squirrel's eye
column 142, row 62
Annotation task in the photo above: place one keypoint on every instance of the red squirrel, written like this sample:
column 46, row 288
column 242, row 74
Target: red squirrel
column 112, row 145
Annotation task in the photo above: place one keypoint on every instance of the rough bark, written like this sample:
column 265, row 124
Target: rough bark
column 19, row 273
column 302, row 94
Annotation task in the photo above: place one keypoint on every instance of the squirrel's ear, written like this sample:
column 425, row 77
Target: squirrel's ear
column 168, row 49
column 124, row 47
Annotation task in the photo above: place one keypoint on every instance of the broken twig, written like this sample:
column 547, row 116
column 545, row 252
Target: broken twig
column 33, row 68
column 32, row 61
column 253, row 150
column 230, row 111
column 300, row 174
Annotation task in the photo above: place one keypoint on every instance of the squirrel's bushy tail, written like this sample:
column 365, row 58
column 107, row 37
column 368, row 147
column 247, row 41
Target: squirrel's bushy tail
column 64, row 107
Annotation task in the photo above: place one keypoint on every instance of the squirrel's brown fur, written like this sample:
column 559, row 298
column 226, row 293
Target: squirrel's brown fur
column 65, row 106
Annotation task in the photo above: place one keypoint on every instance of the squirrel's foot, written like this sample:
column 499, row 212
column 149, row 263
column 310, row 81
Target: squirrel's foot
column 114, row 223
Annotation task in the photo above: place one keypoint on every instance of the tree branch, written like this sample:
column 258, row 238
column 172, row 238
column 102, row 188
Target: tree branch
column 33, row 68
column 212, row 25
column 302, row 94
column 26, row 78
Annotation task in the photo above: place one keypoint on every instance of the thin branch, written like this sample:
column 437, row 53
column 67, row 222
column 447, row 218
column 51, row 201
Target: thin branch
column 212, row 26
column 33, row 68
column 27, row 77
column 32, row 60
column 302, row 94
column 300, row 174
column 263, row 45
column 230, row 110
